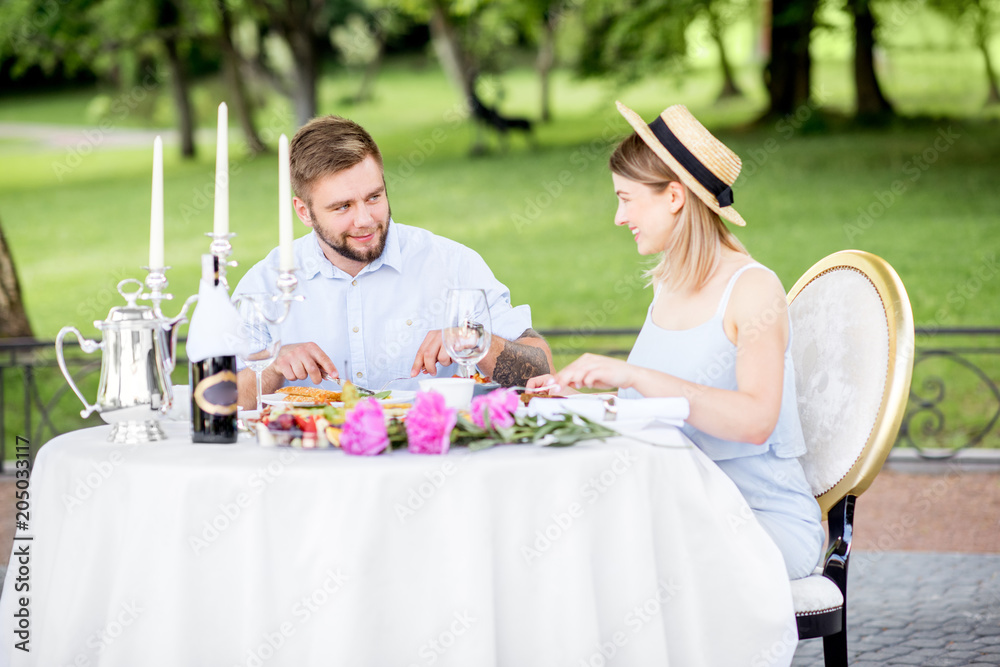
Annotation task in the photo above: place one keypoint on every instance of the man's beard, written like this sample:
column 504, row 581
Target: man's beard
column 341, row 246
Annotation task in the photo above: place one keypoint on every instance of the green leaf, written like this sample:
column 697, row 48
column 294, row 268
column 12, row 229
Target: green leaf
column 476, row 445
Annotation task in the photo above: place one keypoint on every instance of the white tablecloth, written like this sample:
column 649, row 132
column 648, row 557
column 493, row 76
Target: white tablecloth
column 177, row 554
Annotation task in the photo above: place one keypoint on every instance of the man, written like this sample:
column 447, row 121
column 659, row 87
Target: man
column 374, row 289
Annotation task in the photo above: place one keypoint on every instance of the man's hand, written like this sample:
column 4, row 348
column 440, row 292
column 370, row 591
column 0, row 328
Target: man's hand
column 514, row 362
column 294, row 362
column 508, row 362
column 303, row 360
column 430, row 354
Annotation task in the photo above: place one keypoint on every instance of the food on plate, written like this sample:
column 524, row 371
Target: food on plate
column 527, row 396
column 351, row 394
column 309, row 394
column 399, row 410
column 310, row 428
column 316, row 427
column 478, row 377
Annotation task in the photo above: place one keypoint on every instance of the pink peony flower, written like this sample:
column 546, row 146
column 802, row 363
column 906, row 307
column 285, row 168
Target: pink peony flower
column 364, row 429
column 429, row 424
column 499, row 405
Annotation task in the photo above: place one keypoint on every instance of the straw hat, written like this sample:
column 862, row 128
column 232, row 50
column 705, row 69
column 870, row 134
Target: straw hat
column 703, row 163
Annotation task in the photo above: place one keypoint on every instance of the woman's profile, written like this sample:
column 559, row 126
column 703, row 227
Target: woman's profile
column 717, row 330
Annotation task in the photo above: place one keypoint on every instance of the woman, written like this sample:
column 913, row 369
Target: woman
column 717, row 331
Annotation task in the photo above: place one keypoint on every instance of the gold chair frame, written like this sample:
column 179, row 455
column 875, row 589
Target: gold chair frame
column 837, row 502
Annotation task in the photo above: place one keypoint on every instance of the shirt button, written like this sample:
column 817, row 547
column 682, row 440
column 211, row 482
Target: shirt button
column 354, row 282
column 409, row 322
column 355, row 330
column 360, row 374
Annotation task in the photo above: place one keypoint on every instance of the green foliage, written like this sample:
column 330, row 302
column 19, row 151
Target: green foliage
column 487, row 30
column 75, row 234
column 628, row 40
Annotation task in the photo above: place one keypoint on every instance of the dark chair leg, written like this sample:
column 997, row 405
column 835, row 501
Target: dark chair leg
column 840, row 520
column 835, row 649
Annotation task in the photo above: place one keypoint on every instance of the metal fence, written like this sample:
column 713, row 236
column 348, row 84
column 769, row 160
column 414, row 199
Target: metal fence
column 954, row 399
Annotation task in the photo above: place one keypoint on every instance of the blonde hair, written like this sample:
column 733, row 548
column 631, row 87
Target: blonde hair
column 327, row 145
column 699, row 234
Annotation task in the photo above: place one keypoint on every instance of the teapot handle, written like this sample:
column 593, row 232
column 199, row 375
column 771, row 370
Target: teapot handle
column 171, row 329
column 87, row 346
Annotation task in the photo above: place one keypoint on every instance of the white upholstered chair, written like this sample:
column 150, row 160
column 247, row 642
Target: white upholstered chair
column 852, row 343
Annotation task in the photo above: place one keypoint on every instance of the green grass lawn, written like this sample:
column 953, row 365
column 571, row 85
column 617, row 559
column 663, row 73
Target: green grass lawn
column 921, row 193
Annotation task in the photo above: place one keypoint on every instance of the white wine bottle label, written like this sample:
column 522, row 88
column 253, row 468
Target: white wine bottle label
column 217, row 394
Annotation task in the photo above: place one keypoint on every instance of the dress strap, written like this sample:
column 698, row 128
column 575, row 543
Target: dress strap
column 724, row 301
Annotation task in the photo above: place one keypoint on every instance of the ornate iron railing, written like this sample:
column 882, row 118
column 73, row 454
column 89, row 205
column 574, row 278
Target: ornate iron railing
column 954, row 399
column 953, row 383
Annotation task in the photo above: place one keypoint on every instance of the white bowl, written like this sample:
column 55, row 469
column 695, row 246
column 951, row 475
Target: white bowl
column 457, row 392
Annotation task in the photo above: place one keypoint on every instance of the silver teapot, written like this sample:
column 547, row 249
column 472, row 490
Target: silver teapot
column 139, row 349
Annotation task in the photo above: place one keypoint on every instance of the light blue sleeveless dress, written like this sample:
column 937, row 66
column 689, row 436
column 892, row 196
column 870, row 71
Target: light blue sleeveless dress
column 769, row 475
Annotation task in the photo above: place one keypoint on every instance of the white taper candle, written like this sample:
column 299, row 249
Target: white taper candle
column 285, row 236
column 221, row 220
column 156, row 209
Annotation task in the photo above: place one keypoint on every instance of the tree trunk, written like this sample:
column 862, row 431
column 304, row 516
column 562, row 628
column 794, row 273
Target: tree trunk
column 241, row 102
column 788, row 76
column 456, row 64
column 182, row 101
column 306, row 58
column 369, row 75
column 13, row 320
column 729, row 87
column 982, row 34
column 546, row 59
column 449, row 51
column 871, row 102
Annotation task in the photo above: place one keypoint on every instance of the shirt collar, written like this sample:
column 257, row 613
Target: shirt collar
column 314, row 261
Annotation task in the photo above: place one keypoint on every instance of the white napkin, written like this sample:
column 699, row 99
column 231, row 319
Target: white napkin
column 215, row 324
column 671, row 411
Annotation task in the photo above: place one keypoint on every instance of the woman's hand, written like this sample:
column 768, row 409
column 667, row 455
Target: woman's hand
column 595, row 371
column 547, row 383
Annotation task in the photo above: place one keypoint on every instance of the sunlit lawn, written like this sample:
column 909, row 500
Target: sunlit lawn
column 77, row 217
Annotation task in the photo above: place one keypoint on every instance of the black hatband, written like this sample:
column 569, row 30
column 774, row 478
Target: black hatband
column 723, row 193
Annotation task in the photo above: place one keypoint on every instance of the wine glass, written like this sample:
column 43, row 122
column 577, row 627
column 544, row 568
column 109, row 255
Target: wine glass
column 258, row 335
column 467, row 328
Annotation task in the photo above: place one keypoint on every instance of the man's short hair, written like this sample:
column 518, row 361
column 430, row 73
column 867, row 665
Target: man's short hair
column 327, row 145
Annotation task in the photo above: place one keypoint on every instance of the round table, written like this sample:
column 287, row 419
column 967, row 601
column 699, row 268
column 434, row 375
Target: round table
column 626, row 551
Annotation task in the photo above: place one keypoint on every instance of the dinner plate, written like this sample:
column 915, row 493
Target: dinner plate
column 280, row 399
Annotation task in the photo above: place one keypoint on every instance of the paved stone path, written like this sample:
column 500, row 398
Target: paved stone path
column 931, row 610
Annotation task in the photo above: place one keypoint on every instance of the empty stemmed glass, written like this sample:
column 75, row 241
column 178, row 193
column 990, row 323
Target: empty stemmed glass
column 467, row 328
column 258, row 337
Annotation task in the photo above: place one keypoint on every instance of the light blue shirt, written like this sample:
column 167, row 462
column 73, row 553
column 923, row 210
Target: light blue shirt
column 376, row 321
column 705, row 355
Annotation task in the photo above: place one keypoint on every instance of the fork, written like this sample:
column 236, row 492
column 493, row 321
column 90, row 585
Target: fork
column 378, row 391
column 388, row 382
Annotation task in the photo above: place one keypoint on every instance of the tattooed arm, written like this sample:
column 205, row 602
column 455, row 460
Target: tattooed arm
column 513, row 362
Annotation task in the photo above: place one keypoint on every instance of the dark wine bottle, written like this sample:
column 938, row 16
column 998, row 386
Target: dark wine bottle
column 213, row 399
column 213, row 383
